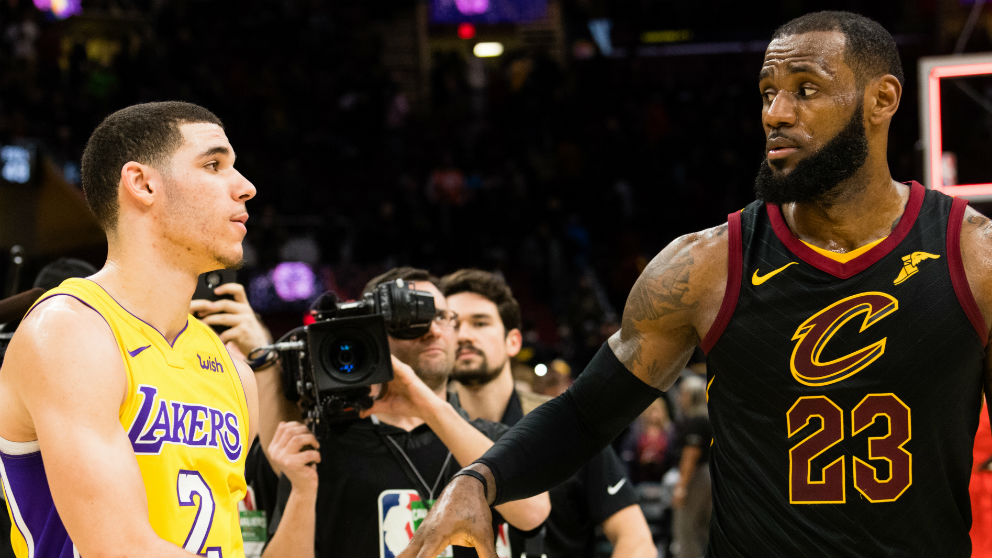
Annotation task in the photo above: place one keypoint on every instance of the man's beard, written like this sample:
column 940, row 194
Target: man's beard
column 478, row 375
column 815, row 176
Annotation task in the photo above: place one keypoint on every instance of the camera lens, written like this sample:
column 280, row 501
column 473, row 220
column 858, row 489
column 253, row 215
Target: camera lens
column 346, row 356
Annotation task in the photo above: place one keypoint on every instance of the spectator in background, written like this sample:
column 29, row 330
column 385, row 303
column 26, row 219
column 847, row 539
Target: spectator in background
column 598, row 494
column 648, row 449
column 691, row 499
column 555, row 380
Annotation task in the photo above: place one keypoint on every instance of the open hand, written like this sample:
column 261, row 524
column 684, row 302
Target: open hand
column 460, row 516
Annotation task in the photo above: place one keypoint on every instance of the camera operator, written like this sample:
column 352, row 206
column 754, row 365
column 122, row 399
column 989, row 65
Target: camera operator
column 378, row 475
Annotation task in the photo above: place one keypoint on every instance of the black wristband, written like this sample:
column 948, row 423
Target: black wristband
column 564, row 433
column 475, row 474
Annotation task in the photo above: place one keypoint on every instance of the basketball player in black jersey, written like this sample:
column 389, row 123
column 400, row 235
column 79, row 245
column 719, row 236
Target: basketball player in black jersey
column 845, row 317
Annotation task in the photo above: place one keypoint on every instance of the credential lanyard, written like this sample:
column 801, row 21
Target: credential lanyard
column 411, row 471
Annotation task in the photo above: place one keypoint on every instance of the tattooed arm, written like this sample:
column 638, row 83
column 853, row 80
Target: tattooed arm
column 672, row 306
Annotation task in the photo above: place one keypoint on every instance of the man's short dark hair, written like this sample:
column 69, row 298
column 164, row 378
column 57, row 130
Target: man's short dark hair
column 405, row 273
column 869, row 48
column 147, row 133
column 492, row 286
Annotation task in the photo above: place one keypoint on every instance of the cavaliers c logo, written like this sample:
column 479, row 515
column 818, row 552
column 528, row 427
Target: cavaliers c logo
column 814, row 334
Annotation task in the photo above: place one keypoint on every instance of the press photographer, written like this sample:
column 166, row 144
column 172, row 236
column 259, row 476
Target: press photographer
column 379, row 473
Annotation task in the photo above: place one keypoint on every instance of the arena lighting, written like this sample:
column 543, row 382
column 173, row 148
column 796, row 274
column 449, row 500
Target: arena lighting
column 540, row 370
column 466, row 31
column 931, row 70
column 487, row 50
column 293, row 281
column 61, row 9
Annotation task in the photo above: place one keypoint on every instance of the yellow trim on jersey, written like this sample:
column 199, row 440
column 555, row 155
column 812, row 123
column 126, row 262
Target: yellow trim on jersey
column 846, row 256
column 17, row 542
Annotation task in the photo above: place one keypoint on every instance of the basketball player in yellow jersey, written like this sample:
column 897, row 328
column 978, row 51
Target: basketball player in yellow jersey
column 118, row 408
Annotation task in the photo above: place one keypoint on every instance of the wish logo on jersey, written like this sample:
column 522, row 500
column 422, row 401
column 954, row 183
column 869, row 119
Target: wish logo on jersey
column 400, row 514
column 174, row 422
column 210, row 363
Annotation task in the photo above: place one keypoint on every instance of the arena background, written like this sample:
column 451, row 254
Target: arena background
column 377, row 138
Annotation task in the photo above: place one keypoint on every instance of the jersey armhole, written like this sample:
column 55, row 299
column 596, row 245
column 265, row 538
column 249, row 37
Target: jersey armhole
column 959, row 278
column 239, row 385
column 735, row 265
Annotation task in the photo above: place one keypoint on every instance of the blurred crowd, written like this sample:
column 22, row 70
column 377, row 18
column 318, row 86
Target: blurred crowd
column 570, row 176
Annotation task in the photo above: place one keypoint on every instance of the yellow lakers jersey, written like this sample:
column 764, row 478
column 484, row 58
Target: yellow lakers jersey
column 186, row 415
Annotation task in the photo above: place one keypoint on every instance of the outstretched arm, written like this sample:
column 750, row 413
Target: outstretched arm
column 67, row 378
column 670, row 308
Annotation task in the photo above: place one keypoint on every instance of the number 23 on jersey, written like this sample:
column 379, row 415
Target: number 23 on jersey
column 810, row 484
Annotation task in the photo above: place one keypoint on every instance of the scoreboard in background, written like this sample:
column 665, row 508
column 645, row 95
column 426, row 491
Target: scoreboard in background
column 18, row 164
column 956, row 124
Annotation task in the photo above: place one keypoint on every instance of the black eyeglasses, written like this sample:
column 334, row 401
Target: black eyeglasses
column 446, row 318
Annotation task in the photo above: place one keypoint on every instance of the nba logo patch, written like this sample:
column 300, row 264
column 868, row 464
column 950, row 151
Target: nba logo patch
column 400, row 514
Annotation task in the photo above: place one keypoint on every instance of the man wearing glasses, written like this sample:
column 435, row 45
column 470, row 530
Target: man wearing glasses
column 378, row 477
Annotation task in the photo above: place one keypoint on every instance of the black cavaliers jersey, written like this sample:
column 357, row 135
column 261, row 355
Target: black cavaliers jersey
column 844, row 397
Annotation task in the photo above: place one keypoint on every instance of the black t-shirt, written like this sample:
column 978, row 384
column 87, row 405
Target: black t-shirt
column 368, row 502
column 598, row 490
column 697, row 432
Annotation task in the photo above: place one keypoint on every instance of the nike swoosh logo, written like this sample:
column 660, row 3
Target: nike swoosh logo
column 759, row 279
column 611, row 490
column 135, row 352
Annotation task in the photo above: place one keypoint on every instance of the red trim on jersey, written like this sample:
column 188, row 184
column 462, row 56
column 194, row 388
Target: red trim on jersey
column 862, row 262
column 959, row 279
column 735, row 269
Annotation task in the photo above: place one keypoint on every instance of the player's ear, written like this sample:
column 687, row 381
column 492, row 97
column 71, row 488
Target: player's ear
column 514, row 341
column 882, row 99
column 139, row 183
